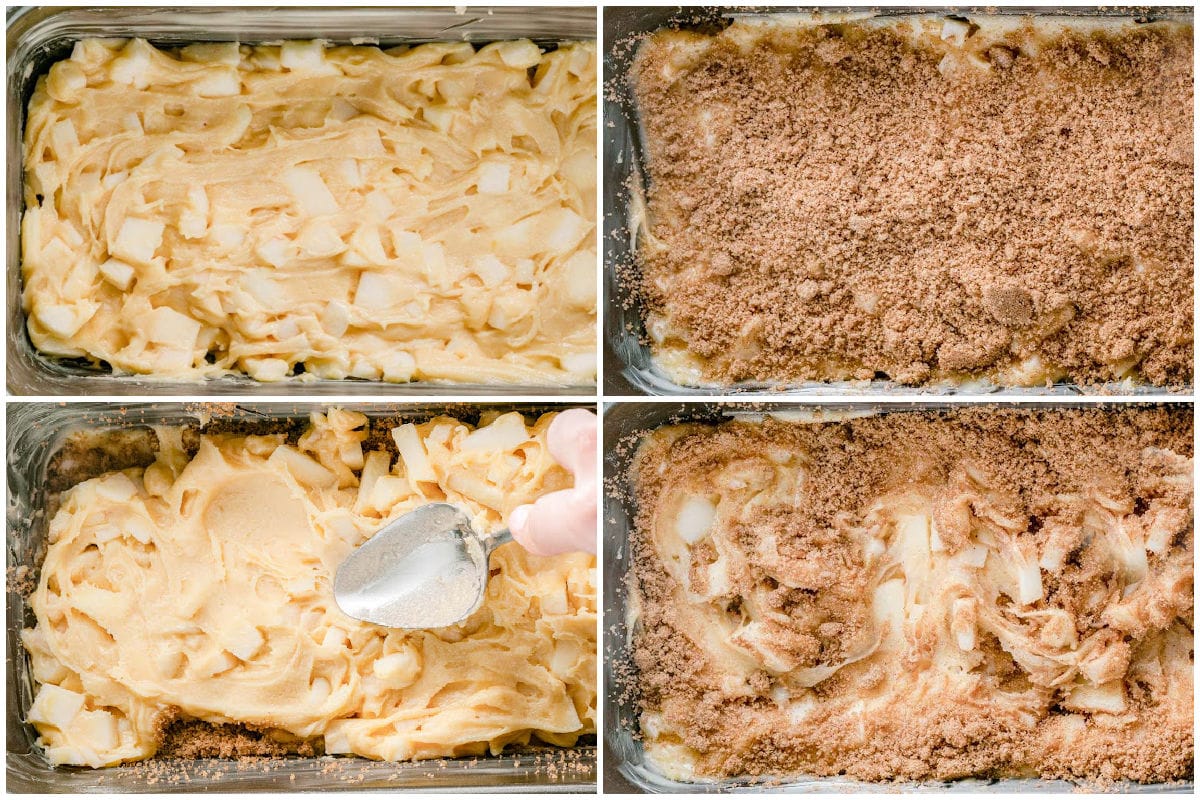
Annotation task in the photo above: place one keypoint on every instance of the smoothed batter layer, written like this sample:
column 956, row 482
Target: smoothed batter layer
column 918, row 596
column 423, row 213
column 200, row 589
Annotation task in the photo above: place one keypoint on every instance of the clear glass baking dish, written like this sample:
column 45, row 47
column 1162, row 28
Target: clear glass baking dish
column 629, row 366
column 39, row 467
column 37, row 37
column 624, row 425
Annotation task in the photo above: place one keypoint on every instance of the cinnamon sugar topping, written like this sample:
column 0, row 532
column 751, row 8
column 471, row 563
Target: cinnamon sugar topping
column 982, row 592
column 919, row 200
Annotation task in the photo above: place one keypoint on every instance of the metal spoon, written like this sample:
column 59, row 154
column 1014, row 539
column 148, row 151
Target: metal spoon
column 426, row 569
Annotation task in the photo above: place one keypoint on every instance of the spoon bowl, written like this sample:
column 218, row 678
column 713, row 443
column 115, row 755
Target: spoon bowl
column 425, row 569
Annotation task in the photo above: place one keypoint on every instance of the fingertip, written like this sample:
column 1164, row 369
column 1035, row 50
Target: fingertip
column 572, row 438
column 518, row 521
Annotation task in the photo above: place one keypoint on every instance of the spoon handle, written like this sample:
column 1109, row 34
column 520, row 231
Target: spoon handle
column 498, row 538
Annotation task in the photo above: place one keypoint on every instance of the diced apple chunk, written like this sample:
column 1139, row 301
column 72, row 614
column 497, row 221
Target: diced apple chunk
column 524, row 271
column 397, row 366
column 132, row 67
column 266, row 369
column 567, row 228
column 309, row 191
column 565, row 658
column 434, row 257
column 244, row 640
column 167, row 326
column 554, row 599
column 116, row 487
column 366, row 247
column 320, row 239
column 388, row 491
column 1109, row 698
column 337, row 742
column 63, row 139
column 98, row 729
column 106, row 533
column 318, row 691
column 303, row 468
column 374, row 292
column 218, row 83
column 519, row 54
column 193, row 221
column 219, row 662
column 963, row 618
column 694, row 519
column 955, row 31
column 118, row 273
column 581, row 279
column 493, row 178
column 274, row 251
column 398, row 670
column 259, row 285
column 228, row 236
column 303, row 56
column 412, row 452
column 490, row 270
column 335, row 317
column 55, row 706
column 65, row 321
column 1029, row 582
column 440, row 117
column 506, row 432
column 582, row 363
column 138, row 239
column 66, row 81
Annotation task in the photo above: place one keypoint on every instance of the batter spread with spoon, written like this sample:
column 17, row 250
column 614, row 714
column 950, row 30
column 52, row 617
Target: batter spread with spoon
column 199, row 588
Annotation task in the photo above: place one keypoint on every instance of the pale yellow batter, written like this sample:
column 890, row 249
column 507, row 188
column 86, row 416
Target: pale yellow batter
column 423, row 213
column 202, row 587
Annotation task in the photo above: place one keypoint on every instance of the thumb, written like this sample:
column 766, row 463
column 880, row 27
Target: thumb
column 559, row 522
column 571, row 440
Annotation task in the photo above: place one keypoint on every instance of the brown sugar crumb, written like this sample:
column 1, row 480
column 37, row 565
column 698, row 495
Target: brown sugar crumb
column 838, row 202
column 190, row 739
column 987, row 592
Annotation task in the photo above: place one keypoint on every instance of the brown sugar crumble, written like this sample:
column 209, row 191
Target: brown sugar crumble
column 982, row 592
column 846, row 201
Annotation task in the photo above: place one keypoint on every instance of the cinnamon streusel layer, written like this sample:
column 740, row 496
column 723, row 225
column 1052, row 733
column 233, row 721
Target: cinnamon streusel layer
column 919, row 199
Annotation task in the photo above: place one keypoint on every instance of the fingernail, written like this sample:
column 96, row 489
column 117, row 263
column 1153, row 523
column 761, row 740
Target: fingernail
column 518, row 519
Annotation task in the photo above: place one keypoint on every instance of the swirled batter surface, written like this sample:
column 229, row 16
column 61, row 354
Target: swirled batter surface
column 199, row 588
column 913, row 596
column 423, row 213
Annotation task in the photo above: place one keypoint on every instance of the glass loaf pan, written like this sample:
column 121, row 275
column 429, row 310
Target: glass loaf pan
column 624, row 424
column 38, row 37
column 36, row 433
column 629, row 366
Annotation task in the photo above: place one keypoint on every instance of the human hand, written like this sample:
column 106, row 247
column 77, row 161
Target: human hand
column 564, row 521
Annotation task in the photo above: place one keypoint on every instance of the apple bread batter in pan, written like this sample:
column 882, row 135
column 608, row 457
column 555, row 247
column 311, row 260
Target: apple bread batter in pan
column 201, row 589
column 419, row 213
